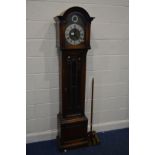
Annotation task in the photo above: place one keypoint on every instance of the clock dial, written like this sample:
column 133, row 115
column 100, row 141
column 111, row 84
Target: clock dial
column 74, row 34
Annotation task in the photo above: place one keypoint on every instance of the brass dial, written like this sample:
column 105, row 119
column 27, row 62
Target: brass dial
column 74, row 34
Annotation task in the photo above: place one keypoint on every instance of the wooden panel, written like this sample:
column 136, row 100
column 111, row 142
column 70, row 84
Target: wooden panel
column 74, row 131
column 73, row 84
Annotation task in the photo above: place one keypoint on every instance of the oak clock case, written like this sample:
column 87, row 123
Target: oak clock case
column 73, row 42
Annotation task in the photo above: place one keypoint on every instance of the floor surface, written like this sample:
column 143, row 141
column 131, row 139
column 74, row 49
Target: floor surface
column 114, row 142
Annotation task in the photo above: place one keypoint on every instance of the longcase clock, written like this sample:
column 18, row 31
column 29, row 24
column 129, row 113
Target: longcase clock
column 73, row 42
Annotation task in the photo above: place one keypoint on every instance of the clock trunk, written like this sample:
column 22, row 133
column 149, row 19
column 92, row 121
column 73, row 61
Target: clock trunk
column 72, row 122
column 73, row 83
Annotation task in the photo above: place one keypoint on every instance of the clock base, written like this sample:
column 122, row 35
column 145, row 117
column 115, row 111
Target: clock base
column 72, row 144
column 72, row 132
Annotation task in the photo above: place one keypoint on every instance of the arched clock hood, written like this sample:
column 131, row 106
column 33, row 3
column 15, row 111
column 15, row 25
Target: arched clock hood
column 62, row 21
